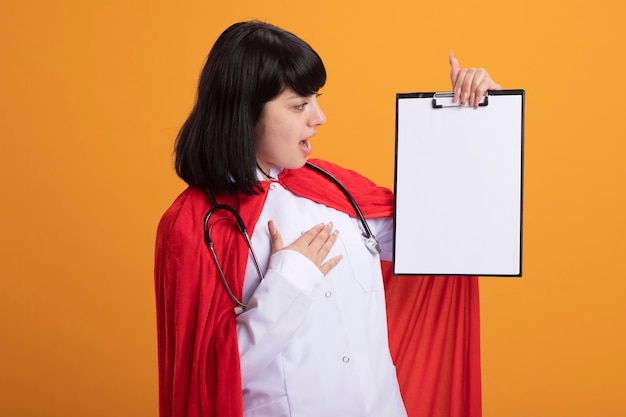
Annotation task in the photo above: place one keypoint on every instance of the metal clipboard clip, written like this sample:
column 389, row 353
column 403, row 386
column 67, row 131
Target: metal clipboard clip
column 442, row 100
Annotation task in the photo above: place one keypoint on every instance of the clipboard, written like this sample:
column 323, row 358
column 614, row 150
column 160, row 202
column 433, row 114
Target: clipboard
column 459, row 185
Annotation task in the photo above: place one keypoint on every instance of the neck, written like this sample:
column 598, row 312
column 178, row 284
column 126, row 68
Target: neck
column 265, row 174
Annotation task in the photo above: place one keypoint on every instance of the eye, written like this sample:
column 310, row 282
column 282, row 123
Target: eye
column 301, row 106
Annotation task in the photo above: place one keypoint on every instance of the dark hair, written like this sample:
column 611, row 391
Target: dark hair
column 250, row 64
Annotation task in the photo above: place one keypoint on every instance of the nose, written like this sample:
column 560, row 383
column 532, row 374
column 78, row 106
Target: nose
column 318, row 117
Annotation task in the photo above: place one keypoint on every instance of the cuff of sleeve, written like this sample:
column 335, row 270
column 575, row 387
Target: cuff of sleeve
column 297, row 269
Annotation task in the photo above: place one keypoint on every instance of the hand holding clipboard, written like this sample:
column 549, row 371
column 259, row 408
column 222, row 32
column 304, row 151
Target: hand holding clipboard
column 469, row 84
column 458, row 179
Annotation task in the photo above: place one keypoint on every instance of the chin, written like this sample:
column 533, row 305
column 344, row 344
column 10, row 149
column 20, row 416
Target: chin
column 296, row 165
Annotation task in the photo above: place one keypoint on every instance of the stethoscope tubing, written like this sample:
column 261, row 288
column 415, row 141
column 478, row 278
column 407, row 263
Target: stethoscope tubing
column 366, row 232
column 368, row 237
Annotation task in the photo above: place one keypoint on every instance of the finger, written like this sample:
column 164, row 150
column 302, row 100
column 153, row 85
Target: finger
column 466, row 88
column 320, row 240
column 483, row 83
column 480, row 89
column 303, row 243
column 455, row 67
column 327, row 245
column 330, row 264
column 315, row 243
column 490, row 83
column 458, row 86
column 306, row 238
column 321, row 245
column 475, row 89
column 276, row 240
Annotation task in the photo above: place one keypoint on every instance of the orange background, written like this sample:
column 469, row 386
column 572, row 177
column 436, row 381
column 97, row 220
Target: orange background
column 93, row 93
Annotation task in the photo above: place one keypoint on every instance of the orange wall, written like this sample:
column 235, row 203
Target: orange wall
column 92, row 95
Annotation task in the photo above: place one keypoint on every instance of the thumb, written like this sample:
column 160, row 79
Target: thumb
column 276, row 240
column 455, row 68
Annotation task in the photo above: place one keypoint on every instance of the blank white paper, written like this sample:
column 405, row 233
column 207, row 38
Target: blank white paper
column 458, row 187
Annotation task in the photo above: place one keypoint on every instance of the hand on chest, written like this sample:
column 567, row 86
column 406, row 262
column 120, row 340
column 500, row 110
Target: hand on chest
column 294, row 215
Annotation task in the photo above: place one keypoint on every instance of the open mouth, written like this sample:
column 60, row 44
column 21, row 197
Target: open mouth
column 305, row 145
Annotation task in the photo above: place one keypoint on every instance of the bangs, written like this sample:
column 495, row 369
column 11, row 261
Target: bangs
column 280, row 59
column 304, row 73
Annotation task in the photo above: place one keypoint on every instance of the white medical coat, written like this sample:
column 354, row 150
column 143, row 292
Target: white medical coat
column 314, row 345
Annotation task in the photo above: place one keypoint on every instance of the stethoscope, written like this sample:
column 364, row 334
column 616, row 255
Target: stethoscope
column 368, row 237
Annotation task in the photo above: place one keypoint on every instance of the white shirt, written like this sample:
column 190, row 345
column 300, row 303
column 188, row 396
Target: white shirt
column 314, row 345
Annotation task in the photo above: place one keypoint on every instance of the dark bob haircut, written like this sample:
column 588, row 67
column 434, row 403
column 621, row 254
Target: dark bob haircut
column 250, row 64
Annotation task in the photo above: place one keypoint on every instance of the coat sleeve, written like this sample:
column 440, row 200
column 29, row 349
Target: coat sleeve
column 263, row 333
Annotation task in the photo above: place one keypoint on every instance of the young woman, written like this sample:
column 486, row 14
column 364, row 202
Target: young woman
column 293, row 322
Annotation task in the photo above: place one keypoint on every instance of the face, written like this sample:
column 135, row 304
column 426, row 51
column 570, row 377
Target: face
column 285, row 128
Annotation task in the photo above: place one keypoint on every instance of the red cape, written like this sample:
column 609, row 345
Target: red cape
column 433, row 321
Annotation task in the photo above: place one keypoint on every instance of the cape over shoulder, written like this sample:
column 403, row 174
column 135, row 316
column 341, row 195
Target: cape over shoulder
column 197, row 345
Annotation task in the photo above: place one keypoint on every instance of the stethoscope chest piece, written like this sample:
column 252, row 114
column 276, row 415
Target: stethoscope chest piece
column 371, row 243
